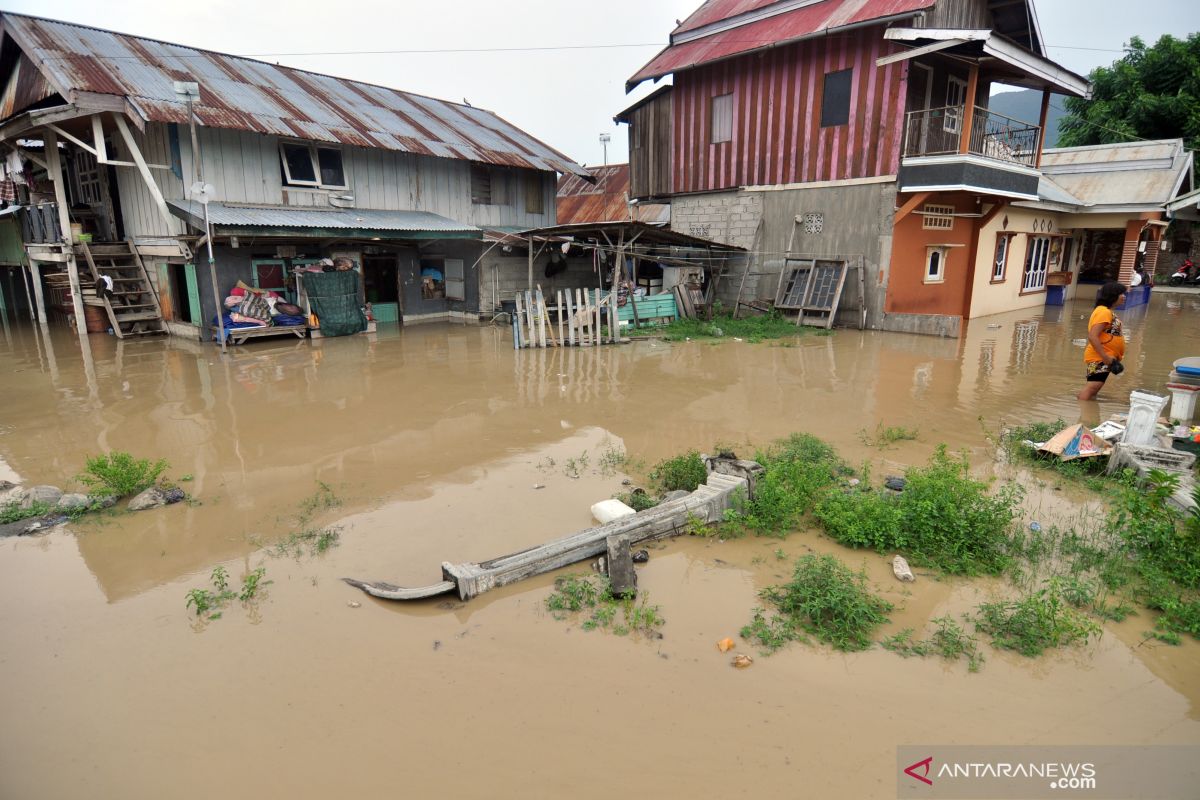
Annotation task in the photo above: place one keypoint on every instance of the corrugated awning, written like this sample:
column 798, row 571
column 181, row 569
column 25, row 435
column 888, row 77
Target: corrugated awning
column 341, row 222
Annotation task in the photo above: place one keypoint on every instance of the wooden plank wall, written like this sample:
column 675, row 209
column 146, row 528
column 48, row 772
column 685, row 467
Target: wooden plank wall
column 971, row 14
column 777, row 137
column 243, row 167
column 650, row 149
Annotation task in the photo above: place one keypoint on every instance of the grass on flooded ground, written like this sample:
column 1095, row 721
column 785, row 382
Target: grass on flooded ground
column 591, row 595
column 309, row 539
column 210, row 604
column 824, row 598
column 1036, row 622
column 948, row 640
column 1084, row 470
column 723, row 326
column 886, row 436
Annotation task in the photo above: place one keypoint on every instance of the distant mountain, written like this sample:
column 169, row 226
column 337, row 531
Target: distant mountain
column 1026, row 105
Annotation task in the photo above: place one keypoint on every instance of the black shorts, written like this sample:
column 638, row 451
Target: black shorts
column 1096, row 371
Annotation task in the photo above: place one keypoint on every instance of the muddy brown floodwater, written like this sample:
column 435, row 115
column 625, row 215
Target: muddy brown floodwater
column 434, row 438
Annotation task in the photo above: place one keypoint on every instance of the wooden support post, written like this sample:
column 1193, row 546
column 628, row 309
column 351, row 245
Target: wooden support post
column 968, row 118
column 910, row 205
column 530, row 287
column 54, row 166
column 1042, row 127
column 558, row 302
column 570, row 318
column 529, row 318
column 518, row 318
column 35, row 272
column 621, row 576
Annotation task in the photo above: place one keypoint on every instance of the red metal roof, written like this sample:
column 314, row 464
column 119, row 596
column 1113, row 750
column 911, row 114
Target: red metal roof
column 790, row 25
column 605, row 201
column 244, row 94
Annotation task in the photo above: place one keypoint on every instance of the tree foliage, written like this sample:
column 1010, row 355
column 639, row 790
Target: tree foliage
column 1150, row 93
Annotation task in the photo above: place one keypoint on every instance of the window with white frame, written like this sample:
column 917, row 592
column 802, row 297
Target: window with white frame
column 935, row 263
column 938, row 218
column 313, row 165
column 1036, row 261
column 722, row 118
column 1000, row 260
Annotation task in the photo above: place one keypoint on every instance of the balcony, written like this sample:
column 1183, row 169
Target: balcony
column 999, row 157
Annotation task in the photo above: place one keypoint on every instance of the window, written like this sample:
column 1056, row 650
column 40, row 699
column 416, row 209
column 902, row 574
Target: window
column 956, row 98
column 1036, row 261
column 722, row 118
column 272, row 275
column 1000, row 260
column 535, row 202
column 835, row 98
column 487, row 186
column 938, row 218
column 309, row 165
column 935, row 264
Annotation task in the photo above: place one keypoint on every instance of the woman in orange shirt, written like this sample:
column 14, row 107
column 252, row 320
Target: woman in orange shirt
column 1106, row 342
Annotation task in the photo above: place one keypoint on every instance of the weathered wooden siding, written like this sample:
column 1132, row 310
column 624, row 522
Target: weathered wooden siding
column 958, row 14
column 650, row 136
column 777, row 133
column 243, row 167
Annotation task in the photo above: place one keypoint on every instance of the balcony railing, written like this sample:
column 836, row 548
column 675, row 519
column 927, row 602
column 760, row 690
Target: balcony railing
column 939, row 131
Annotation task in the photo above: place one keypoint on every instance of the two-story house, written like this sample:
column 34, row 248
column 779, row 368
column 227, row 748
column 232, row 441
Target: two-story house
column 853, row 131
column 104, row 137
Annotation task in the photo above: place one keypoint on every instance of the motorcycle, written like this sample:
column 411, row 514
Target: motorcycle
column 1186, row 275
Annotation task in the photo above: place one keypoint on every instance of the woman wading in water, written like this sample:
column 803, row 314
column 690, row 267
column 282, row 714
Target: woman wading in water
column 1106, row 342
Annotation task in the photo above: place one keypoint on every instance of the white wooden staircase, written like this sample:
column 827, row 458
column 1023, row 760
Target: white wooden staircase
column 133, row 310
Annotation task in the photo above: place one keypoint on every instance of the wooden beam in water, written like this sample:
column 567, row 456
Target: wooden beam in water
column 708, row 503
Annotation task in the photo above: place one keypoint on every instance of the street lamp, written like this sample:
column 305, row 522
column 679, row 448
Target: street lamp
column 605, row 138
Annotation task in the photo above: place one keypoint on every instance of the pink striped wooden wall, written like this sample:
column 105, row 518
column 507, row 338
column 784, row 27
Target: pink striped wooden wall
column 777, row 134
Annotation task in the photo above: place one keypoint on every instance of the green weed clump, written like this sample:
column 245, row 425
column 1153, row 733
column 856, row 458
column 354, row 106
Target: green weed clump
column 120, row 474
column 883, row 437
column 210, row 603
column 825, row 598
column 723, row 326
column 12, row 512
column 592, row 594
column 949, row 641
column 684, row 472
column 797, row 471
column 637, row 499
column 1036, row 623
column 943, row 519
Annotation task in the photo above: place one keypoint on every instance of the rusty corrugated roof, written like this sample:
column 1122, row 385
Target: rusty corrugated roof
column 742, row 26
column 607, row 200
column 244, row 94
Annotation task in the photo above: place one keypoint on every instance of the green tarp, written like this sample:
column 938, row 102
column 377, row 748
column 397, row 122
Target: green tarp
column 333, row 297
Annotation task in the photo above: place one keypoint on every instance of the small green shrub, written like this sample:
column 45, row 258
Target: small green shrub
column 637, row 500
column 1036, row 623
column 825, row 598
column 887, row 436
column 949, row 641
column 120, row 474
column 797, row 470
column 210, row 603
column 12, row 512
column 684, row 472
column 943, row 519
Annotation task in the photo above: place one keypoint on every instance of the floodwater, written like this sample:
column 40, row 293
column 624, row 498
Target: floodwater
column 434, row 439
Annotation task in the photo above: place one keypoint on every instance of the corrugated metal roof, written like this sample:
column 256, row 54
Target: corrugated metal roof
column 1051, row 192
column 756, row 34
column 220, row 214
column 607, row 200
column 244, row 94
column 1126, row 174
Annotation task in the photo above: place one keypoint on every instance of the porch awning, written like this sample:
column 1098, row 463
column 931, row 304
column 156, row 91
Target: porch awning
column 1186, row 207
column 1015, row 64
column 341, row 223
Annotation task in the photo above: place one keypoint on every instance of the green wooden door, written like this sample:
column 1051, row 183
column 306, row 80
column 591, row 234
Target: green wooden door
column 193, row 294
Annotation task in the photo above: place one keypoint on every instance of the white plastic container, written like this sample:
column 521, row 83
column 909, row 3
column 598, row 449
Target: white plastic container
column 1144, row 409
column 1183, row 400
column 608, row 510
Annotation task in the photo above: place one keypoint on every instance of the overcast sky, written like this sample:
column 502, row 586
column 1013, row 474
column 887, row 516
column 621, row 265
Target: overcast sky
column 565, row 97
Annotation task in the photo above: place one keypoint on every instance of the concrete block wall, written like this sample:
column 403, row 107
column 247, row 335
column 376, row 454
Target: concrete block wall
column 725, row 217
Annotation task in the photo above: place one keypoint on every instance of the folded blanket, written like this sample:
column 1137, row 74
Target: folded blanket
column 287, row 320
